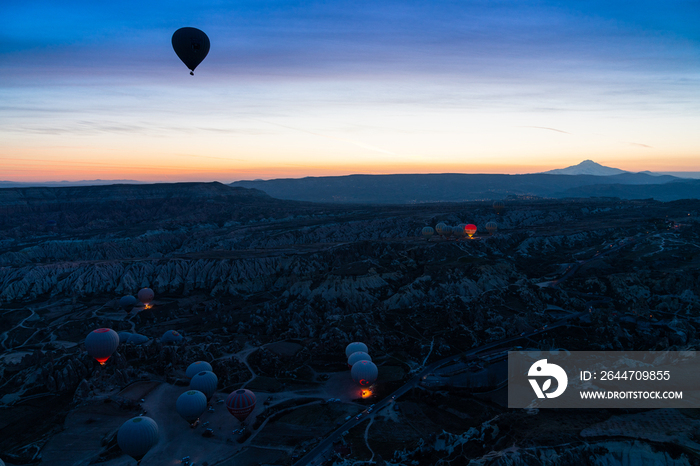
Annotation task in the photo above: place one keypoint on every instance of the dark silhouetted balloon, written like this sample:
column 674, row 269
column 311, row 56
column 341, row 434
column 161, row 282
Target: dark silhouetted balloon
column 137, row 339
column 364, row 373
column 127, row 303
column 358, row 356
column 240, row 403
column 427, row 232
column 491, row 227
column 137, row 435
column 146, row 295
column 354, row 347
column 441, row 228
column 124, row 337
column 197, row 367
column 205, row 382
column 498, row 206
column 171, row 337
column 470, row 229
column 190, row 405
column 101, row 343
column 191, row 45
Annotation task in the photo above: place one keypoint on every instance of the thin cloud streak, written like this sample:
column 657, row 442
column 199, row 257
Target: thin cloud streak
column 545, row 127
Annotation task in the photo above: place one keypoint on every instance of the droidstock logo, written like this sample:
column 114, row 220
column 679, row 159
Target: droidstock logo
column 542, row 369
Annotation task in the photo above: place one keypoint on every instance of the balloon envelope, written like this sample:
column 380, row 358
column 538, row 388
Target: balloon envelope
column 205, row 382
column 137, row 435
column 191, row 45
column 240, row 403
column 127, row 303
column 441, row 228
column 146, row 295
column 364, row 373
column 124, row 337
column 358, row 356
column 498, row 206
column 427, row 232
column 101, row 343
column 470, row 229
column 197, row 367
column 491, row 227
column 355, row 347
column 171, row 337
column 137, row 339
column 191, row 404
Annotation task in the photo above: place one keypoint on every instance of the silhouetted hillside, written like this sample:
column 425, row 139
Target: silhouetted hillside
column 400, row 189
column 681, row 189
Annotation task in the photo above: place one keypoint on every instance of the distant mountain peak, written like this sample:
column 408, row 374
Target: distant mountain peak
column 587, row 167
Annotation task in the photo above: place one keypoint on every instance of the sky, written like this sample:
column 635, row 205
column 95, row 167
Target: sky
column 94, row 90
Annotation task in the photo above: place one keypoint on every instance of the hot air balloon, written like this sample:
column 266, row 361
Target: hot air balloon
column 427, row 232
column 136, row 436
column 191, row 45
column 205, row 382
column 354, row 347
column 470, row 229
column 124, row 337
column 364, row 373
column 146, row 296
column 197, row 367
column 358, row 356
column 240, row 403
column 498, row 206
column 491, row 227
column 190, row 405
column 440, row 228
column 127, row 303
column 171, row 337
column 137, row 339
column 458, row 231
column 101, row 343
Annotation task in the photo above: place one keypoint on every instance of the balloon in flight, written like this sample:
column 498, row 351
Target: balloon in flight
column 427, row 232
column 124, row 337
column 191, row 45
column 364, row 373
column 146, row 295
column 240, row 403
column 190, row 405
column 127, row 303
column 470, row 229
column 458, row 231
column 101, row 343
column 358, row 356
column 491, row 227
column 354, row 347
column 137, row 339
column 136, row 436
column 440, row 228
column 197, row 367
column 498, row 206
column 171, row 337
column 205, row 382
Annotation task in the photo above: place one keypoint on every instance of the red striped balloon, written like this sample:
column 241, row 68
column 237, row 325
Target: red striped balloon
column 241, row 403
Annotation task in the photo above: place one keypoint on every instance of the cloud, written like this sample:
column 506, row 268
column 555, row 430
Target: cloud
column 640, row 145
column 544, row 127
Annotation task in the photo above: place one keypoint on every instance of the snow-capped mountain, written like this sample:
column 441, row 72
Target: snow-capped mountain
column 587, row 167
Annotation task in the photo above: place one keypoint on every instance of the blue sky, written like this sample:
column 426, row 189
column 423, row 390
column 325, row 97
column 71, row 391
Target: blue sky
column 93, row 89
